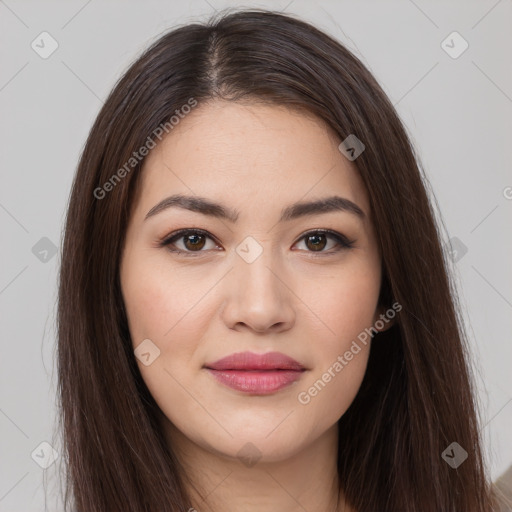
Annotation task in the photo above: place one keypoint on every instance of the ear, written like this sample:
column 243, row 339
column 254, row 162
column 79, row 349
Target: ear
column 384, row 318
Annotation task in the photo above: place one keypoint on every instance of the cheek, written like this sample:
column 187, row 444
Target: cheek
column 346, row 305
column 146, row 302
column 166, row 308
column 347, row 308
column 169, row 308
column 161, row 303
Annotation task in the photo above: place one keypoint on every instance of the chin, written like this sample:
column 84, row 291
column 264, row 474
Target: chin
column 257, row 444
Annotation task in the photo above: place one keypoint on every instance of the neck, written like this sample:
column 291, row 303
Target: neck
column 305, row 480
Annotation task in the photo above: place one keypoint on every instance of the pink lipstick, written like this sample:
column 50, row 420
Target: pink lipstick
column 259, row 374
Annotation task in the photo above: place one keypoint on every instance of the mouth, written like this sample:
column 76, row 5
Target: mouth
column 259, row 374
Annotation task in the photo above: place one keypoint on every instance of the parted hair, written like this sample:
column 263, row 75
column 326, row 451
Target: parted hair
column 417, row 395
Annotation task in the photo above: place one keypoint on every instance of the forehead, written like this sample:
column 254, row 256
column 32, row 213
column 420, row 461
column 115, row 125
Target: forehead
column 248, row 155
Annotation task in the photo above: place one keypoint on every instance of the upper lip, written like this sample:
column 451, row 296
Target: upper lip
column 252, row 361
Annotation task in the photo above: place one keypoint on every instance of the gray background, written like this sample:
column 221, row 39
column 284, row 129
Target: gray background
column 458, row 112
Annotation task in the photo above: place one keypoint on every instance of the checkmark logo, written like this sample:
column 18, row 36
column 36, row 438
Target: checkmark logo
column 44, row 455
column 146, row 352
column 44, row 45
column 249, row 249
column 454, row 455
column 454, row 45
column 456, row 248
column 44, row 250
column 351, row 147
column 249, row 455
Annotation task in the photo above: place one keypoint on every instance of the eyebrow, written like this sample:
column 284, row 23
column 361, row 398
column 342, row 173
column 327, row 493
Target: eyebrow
column 291, row 212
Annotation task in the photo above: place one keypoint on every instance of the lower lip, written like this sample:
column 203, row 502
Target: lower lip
column 256, row 382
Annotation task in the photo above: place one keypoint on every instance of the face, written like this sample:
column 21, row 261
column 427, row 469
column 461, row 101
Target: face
column 251, row 274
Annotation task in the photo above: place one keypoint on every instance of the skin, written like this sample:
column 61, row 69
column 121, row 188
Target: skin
column 256, row 159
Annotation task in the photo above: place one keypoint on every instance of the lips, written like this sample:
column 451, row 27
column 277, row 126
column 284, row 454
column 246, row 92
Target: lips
column 250, row 361
column 258, row 374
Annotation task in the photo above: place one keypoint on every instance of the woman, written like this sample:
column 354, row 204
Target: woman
column 255, row 312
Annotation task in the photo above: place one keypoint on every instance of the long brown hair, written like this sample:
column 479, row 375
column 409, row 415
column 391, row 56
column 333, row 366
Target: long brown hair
column 417, row 396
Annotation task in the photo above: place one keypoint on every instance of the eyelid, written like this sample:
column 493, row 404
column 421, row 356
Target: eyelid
column 343, row 241
column 180, row 233
column 340, row 237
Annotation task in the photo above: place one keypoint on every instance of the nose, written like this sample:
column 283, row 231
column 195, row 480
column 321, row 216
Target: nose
column 258, row 297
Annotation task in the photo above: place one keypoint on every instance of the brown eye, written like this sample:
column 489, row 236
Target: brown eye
column 194, row 241
column 188, row 242
column 191, row 242
column 316, row 242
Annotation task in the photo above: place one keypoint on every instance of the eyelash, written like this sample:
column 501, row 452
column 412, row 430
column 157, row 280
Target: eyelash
column 343, row 242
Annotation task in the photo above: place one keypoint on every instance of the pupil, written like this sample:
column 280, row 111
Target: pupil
column 315, row 240
column 316, row 245
column 194, row 240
